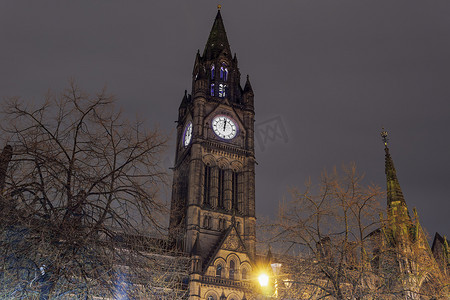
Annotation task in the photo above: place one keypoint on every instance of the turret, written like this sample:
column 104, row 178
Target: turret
column 200, row 86
column 247, row 94
column 183, row 106
column 196, row 259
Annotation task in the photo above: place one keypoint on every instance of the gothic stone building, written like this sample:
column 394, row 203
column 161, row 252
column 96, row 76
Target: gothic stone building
column 420, row 271
column 213, row 196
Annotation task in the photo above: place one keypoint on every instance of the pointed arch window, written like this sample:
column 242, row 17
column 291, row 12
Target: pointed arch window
column 223, row 72
column 232, row 269
column 222, row 90
column 207, row 186
column 221, row 189
column 212, row 89
column 219, row 270
column 213, row 69
column 234, row 190
column 244, row 274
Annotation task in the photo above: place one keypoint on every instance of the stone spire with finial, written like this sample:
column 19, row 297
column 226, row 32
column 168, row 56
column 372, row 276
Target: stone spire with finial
column 217, row 40
column 395, row 200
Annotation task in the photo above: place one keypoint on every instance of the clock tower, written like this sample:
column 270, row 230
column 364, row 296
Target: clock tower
column 213, row 194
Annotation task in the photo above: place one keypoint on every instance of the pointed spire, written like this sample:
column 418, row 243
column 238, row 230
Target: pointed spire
column 446, row 248
column 394, row 192
column 185, row 100
column 269, row 256
column 248, row 86
column 223, row 297
column 217, row 40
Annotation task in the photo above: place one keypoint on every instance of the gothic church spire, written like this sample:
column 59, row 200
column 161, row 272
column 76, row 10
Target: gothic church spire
column 395, row 200
column 217, row 40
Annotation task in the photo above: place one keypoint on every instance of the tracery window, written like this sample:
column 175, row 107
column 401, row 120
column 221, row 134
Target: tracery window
column 212, row 71
column 212, row 89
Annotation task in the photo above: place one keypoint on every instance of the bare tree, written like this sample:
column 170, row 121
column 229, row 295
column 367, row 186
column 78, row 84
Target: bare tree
column 327, row 224
column 80, row 178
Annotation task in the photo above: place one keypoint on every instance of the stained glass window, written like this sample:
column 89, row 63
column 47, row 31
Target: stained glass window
column 223, row 73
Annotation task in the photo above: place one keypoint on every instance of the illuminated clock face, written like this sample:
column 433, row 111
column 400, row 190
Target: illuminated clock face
column 224, row 127
column 187, row 134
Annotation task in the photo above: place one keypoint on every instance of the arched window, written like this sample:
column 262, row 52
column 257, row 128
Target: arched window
column 219, row 270
column 212, row 71
column 211, row 297
column 221, row 189
column 222, row 90
column 223, row 73
column 206, row 185
column 244, row 274
column 234, row 190
column 232, row 269
column 212, row 89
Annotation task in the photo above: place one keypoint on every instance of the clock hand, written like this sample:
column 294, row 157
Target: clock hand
column 224, row 124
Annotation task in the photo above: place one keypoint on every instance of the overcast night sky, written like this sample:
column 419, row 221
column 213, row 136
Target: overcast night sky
column 330, row 73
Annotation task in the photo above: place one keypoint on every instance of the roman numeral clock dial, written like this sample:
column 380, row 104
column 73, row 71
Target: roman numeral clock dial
column 224, row 127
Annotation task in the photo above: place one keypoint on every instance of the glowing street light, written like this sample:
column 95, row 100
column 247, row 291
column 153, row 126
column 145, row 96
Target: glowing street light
column 263, row 280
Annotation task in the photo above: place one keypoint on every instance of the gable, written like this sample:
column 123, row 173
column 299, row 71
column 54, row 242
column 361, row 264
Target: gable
column 231, row 245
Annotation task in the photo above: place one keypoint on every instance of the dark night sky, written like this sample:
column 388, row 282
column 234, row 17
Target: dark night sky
column 330, row 73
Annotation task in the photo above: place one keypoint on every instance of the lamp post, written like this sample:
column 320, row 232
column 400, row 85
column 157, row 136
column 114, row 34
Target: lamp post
column 276, row 268
column 279, row 279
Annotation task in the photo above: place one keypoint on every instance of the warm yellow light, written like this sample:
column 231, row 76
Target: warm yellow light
column 263, row 280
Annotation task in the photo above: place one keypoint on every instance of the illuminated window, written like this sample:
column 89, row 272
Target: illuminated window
column 212, row 89
column 219, row 271
column 212, row 71
column 222, row 90
column 223, row 73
